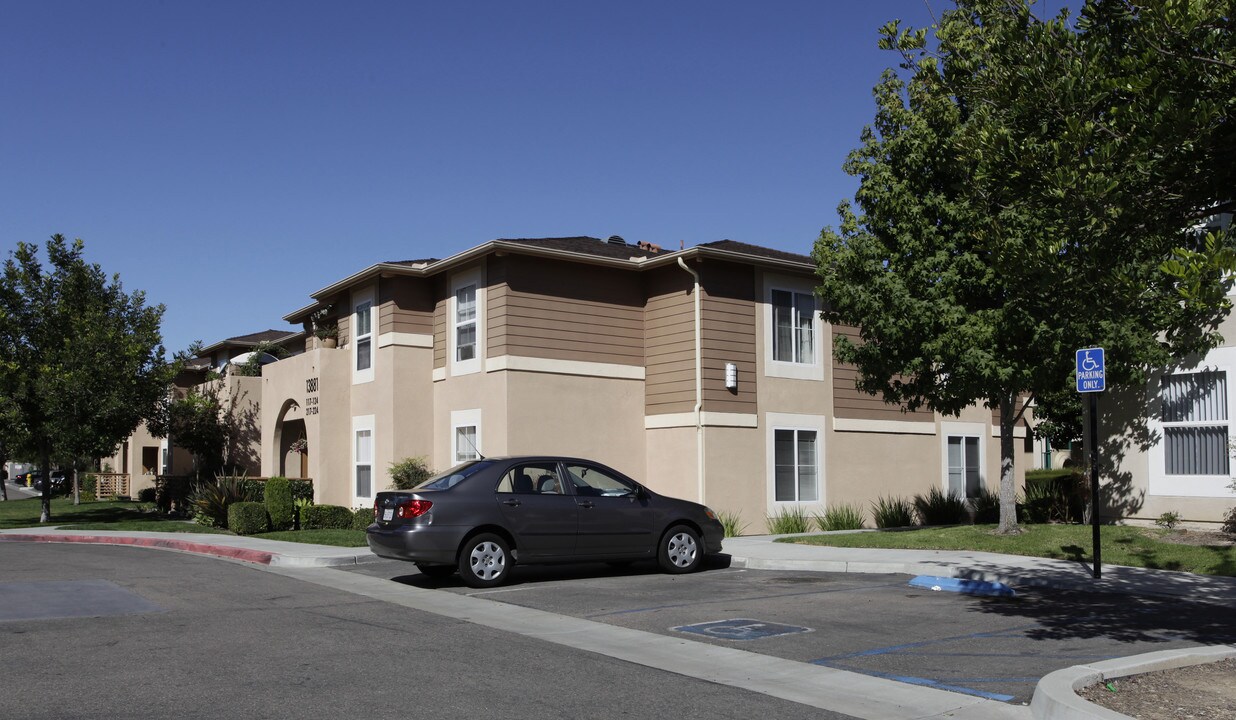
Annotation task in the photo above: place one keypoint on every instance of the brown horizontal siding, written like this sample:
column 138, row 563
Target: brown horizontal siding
column 441, row 295
column 851, row 403
column 669, row 349
column 405, row 305
column 555, row 310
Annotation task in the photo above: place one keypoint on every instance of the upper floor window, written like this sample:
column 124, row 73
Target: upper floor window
column 793, row 316
column 364, row 336
column 1195, row 423
column 465, row 323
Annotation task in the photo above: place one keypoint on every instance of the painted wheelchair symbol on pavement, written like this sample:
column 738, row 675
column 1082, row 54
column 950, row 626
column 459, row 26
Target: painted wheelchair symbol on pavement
column 740, row 629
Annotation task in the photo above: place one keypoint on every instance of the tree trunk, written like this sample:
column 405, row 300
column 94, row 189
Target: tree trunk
column 1008, row 490
column 45, row 459
column 77, row 495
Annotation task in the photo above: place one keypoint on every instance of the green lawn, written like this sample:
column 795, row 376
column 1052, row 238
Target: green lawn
column 1122, row 545
column 124, row 515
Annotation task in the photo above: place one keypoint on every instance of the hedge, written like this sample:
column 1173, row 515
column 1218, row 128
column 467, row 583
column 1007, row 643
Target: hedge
column 362, row 518
column 247, row 518
column 279, row 504
column 326, row 517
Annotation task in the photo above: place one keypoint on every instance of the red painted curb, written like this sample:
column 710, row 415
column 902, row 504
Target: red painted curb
column 260, row 557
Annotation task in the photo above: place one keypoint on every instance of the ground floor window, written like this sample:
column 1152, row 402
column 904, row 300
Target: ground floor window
column 965, row 480
column 465, row 435
column 796, row 465
column 364, row 463
column 1195, row 424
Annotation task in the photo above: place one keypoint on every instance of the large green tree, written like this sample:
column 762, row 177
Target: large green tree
column 81, row 361
column 1030, row 187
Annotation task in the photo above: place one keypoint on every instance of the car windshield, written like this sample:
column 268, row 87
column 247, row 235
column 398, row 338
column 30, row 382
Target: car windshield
column 452, row 477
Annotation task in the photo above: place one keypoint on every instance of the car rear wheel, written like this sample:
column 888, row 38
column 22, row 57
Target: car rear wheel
column 680, row 550
column 484, row 561
column 436, row 571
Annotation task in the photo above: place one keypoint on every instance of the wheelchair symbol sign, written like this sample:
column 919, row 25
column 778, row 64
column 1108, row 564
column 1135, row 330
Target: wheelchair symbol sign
column 1091, row 370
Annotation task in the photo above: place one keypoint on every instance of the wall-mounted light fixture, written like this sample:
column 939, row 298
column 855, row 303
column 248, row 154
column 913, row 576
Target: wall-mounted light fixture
column 731, row 376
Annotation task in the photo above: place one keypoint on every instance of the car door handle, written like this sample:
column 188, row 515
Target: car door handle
column 586, row 504
column 511, row 503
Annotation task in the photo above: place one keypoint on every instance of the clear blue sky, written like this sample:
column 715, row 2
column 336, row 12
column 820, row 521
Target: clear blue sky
column 229, row 158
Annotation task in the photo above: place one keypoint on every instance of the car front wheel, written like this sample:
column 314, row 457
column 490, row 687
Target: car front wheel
column 484, row 561
column 680, row 550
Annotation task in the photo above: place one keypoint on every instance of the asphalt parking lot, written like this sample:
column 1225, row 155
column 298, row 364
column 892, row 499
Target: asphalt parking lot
column 996, row 648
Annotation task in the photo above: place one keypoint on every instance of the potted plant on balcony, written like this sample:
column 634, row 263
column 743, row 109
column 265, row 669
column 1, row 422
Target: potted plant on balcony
column 325, row 328
column 328, row 334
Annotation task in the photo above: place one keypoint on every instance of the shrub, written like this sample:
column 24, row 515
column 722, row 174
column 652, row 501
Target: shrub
column 892, row 512
column 940, row 508
column 789, row 520
column 731, row 523
column 841, row 517
column 409, row 472
column 362, row 518
column 1053, row 496
column 986, row 507
column 279, row 504
column 326, row 517
column 301, row 504
column 1168, row 520
column 146, row 495
column 89, row 486
column 211, row 499
column 247, row 518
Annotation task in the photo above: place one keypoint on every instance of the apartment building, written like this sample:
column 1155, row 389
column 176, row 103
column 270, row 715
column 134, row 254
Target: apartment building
column 705, row 373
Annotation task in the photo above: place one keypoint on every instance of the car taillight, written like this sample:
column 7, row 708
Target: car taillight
column 413, row 508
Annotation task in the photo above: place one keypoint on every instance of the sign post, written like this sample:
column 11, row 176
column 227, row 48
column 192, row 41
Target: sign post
column 1092, row 379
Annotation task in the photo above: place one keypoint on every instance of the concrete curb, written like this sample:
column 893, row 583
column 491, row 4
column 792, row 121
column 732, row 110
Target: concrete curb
column 278, row 554
column 1055, row 696
column 234, row 553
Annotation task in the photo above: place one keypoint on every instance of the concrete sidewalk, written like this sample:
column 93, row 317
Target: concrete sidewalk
column 763, row 553
column 759, row 552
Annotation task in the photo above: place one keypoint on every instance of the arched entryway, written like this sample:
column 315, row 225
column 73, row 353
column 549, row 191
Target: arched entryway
column 292, row 439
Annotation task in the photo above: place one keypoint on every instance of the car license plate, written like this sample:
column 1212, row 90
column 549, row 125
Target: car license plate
column 388, row 514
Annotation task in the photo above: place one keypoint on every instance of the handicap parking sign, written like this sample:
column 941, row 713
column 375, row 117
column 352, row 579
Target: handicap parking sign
column 1091, row 370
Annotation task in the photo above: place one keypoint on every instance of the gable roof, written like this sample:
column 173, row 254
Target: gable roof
column 614, row 252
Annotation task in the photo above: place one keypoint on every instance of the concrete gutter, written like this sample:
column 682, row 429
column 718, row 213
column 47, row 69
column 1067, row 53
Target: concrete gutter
column 1055, row 697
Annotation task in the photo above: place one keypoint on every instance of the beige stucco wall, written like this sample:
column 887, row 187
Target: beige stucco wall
column 590, row 417
column 327, row 430
column 1125, row 460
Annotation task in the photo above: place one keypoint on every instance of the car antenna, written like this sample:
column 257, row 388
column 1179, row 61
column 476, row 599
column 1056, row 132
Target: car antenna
column 474, row 447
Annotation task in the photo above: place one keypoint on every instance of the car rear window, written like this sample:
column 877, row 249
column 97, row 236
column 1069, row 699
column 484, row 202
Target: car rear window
column 452, row 477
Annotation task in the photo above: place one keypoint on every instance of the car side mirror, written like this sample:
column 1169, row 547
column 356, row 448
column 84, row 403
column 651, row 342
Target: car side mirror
column 641, row 493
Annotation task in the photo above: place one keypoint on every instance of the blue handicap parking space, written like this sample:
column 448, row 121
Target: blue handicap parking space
column 741, row 629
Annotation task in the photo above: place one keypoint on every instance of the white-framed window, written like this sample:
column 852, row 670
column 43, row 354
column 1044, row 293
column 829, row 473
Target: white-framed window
column 1190, row 412
column 792, row 329
column 964, row 453
column 466, row 323
column 1195, row 423
column 796, row 465
column 793, row 315
column 363, row 460
column 795, row 459
column 965, row 475
column 465, row 435
column 363, row 344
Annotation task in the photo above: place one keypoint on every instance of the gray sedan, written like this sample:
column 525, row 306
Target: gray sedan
column 483, row 516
